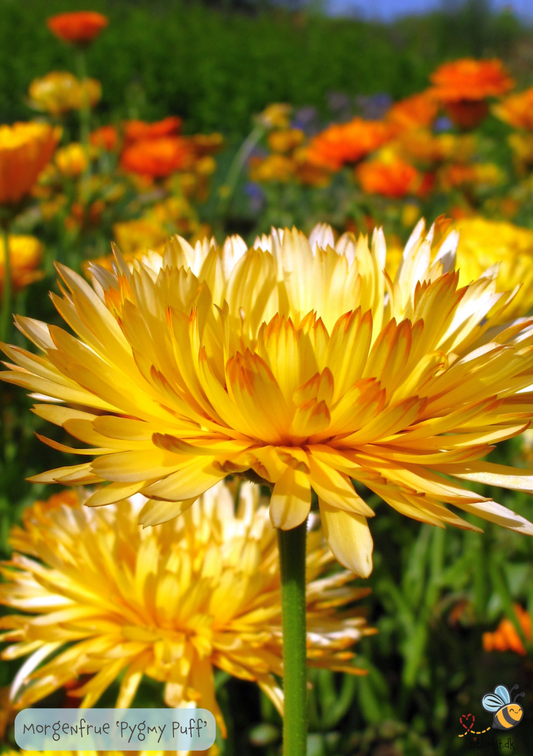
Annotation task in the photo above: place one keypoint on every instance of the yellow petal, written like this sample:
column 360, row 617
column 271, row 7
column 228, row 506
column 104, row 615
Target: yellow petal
column 291, row 500
column 156, row 512
column 348, row 536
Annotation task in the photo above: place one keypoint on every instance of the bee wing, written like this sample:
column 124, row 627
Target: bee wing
column 502, row 691
column 492, row 702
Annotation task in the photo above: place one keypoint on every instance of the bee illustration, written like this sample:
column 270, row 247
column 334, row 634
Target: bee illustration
column 506, row 714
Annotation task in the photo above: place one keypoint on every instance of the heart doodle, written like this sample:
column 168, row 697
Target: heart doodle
column 469, row 719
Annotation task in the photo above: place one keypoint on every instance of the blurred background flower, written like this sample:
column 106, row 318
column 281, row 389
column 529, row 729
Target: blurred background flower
column 60, row 91
column 78, row 27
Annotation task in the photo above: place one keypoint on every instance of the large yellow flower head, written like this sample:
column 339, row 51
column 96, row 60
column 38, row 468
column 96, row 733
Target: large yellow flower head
column 298, row 359
column 169, row 602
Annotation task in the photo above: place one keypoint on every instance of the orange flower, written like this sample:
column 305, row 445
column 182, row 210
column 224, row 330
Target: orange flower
column 80, row 27
column 25, row 149
column 156, row 157
column 106, row 138
column 517, row 110
column 348, row 142
column 463, row 85
column 505, row 637
column 469, row 79
column 391, row 178
column 135, row 131
column 415, row 112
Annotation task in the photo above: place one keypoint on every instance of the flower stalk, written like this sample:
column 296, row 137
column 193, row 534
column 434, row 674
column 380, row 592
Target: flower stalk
column 6, row 288
column 239, row 161
column 85, row 121
column 292, row 547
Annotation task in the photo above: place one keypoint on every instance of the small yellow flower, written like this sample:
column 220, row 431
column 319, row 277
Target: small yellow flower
column 60, row 91
column 516, row 110
column 424, row 147
column 173, row 215
column 71, row 160
column 25, row 253
column 272, row 168
column 285, row 140
column 104, row 597
column 522, row 147
column 488, row 174
column 205, row 166
column 139, row 234
column 275, row 116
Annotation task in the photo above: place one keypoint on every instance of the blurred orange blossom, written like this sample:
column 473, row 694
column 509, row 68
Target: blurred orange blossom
column 78, row 27
column 25, row 149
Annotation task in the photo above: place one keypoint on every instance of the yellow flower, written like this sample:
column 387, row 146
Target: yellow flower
column 25, row 149
column 516, row 110
column 25, row 253
column 485, row 243
column 272, row 168
column 275, row 116
column 152, row 231
column 285, row 140
column 488, row 174
column 423, row 146
column 297, row 359
column 106, row 597
column 71, row 160
column 139, row 234
column 60, row 91
column 502, row 248
column 522, row 147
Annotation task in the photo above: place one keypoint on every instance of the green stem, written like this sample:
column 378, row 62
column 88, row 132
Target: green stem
column 85, row 122
column 292, row 545
column 6, row 288
column 236, row 167
column 5, row 329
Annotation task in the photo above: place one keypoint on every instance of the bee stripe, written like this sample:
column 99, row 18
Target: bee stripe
column 504, row 714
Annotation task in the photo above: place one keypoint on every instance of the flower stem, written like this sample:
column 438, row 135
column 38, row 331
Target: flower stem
column 292, row 545
column 5, row 315
column 85, row 122
column 236, row 167
column 6, row 288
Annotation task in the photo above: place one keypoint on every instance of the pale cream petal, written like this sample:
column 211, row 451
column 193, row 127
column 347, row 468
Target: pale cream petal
column 348, row 536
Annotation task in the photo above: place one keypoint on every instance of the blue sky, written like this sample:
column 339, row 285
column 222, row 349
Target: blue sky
column 389, row 9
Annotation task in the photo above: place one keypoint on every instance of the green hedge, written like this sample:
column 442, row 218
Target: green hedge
column 215, row 69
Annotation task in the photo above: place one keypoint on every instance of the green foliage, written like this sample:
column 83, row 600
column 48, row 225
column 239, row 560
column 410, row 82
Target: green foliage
column 215, row 69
